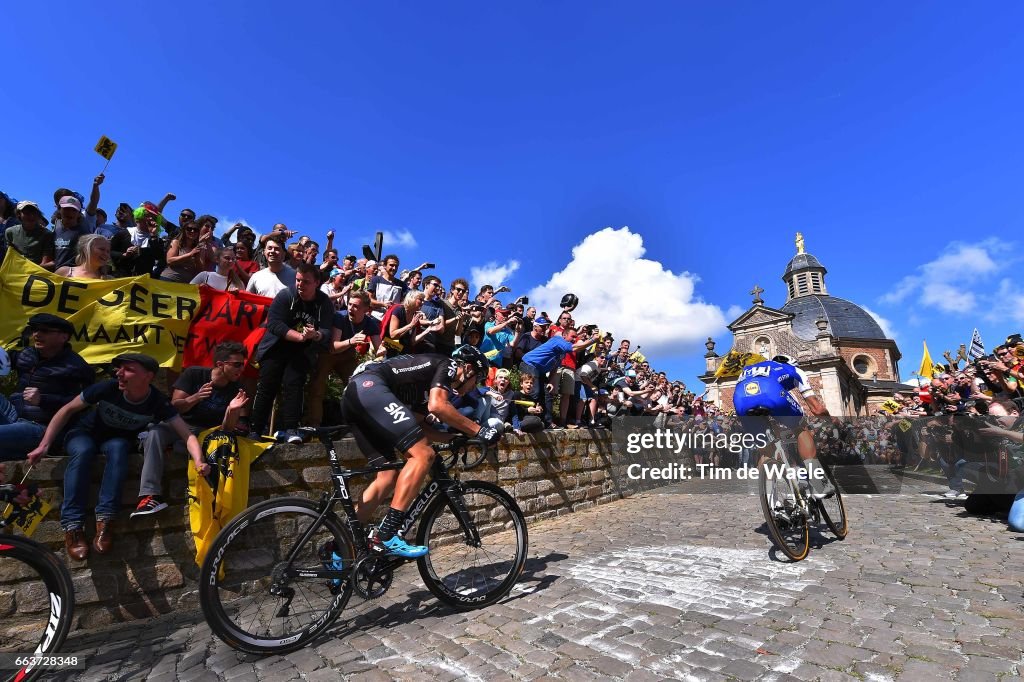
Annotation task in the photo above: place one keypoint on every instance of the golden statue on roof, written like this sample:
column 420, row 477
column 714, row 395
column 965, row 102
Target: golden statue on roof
column 799, row 242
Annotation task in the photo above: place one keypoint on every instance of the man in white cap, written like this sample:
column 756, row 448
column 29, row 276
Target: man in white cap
column 72, row 224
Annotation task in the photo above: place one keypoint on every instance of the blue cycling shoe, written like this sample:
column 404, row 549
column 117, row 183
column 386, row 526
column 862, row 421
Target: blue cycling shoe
column 396, row 546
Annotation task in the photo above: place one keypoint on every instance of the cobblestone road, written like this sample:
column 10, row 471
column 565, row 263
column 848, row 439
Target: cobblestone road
column 675, row 585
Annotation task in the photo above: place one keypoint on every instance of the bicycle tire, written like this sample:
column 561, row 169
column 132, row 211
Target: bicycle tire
column 799, row 533
column 833, row 511
column 54, row 624
column 484, row 576
column 250, row 549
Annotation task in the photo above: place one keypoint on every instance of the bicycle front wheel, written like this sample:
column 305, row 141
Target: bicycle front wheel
column 462, row 572
column 833, row 511
column 38, row 615
column 787, row 524
column 249, row 590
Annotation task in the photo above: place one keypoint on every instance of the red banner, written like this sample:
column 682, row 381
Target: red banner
column 225, row 316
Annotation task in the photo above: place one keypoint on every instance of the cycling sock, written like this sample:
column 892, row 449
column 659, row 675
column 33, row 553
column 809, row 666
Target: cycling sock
column 391, row 523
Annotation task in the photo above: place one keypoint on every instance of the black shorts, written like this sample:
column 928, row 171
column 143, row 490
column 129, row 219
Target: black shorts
column 380, row 422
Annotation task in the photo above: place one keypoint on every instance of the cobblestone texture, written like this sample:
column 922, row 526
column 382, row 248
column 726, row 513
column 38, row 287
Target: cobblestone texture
column 664, row 586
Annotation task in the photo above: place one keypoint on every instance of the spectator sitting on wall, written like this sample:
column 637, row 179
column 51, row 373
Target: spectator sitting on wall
column 124, row 407
column 298, row 328
column 92, row 260
column 226, row 277
column 50, row 374
column 205, row 397
column 274, row 278
column 525, row 411
column 30, row 237
column 356, row 333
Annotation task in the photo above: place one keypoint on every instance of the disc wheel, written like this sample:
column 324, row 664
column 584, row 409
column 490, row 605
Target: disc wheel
column 833, row 511
column 787, row 525
column 461, row 572
column 250, row 596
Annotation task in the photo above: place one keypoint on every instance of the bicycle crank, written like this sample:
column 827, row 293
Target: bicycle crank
column 372, row 576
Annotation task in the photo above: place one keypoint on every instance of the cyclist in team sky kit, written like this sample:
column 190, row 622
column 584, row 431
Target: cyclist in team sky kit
column 764, row 389
column 385, row 406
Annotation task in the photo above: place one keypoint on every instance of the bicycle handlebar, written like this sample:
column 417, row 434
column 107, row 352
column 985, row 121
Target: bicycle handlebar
column 459, row 447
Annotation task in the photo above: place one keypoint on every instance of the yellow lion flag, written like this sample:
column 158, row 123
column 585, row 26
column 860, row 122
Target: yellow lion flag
column 210, row 510
column 734, row 362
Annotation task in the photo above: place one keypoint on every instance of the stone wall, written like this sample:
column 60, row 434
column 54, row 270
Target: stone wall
column 152, row 569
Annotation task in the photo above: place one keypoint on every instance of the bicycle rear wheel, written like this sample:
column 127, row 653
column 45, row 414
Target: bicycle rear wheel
column 787, row 524
column 38, row 616
column 833, row 511
column 246, row 596
column 459, row 571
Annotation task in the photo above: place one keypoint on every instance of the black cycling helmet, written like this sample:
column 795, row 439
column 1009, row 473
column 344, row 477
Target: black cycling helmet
column 473, row 357
column 785, row 359
column 569, row 302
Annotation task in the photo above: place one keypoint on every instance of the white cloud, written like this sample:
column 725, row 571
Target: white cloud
column 493, row 273
column 885, row 324
column 652, row 306
column 949, row 283
column 401, row 239
column 734, row 311
column 1008, row 303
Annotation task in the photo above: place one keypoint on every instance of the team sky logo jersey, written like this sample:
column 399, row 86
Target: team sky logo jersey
column 768, row 385
column 410, row 377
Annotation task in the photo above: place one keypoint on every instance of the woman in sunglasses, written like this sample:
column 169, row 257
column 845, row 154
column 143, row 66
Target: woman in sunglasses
column 186, row 257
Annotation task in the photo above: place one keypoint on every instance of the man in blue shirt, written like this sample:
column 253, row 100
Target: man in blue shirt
column 545, row 358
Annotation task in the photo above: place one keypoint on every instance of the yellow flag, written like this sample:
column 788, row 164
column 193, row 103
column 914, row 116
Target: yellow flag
column 106, row 147
column 637, row 357
column 734, row 362
column 927, row 367
column 27, row 518
column 210, row 511
column 891, row 406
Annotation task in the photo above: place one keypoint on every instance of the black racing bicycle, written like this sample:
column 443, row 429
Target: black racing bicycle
column 789, row 509
column 283, row 570
column 38, row 616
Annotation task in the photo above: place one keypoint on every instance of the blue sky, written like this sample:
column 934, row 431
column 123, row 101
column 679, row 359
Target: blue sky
column 498, row 138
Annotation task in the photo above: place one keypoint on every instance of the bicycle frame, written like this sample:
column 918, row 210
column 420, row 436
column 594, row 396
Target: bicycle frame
column 440, row 482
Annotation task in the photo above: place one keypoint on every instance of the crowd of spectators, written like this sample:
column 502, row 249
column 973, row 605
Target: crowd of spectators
column 327, row 315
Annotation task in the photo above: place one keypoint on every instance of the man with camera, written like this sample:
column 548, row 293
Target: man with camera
column 505, row 332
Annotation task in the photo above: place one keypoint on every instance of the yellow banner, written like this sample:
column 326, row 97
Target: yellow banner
column 113, row 316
